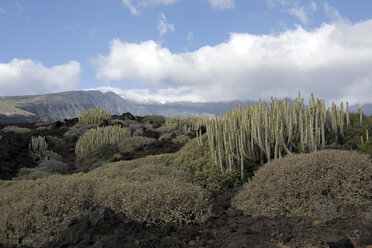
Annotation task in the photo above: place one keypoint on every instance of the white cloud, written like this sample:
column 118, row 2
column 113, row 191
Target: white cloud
column 332, row 61
column 222, row 4
column 300, row 13
column 333, row 13
column 21, row 77
column 134, row 5
column 313, row 6
column 156, row 95
column 163, row 25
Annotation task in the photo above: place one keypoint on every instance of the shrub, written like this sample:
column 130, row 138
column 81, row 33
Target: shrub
column 317, row 185
column 22, row 130
column 17, row 130
column 97, row 138
column 77, row 130
column 155, row 120
column 181, row 139
column 54, row 166
column 94, row 116
column 197, row 161
column 35, row 212
column 134, row 143
column 9, row 129
column 32, row 174
column 166, row 136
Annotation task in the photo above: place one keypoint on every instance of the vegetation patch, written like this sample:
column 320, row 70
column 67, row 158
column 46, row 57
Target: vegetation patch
column 197, row 161
column 35, row 212
column 94, row 116
column 134, row 143
column 316, row 185
column 99, row 137
column 17, row 130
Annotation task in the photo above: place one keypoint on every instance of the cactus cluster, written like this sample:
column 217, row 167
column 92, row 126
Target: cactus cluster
column 94, row 116
column 187, row 124
column 100, row 136
column 262, row 132
column 38, row 148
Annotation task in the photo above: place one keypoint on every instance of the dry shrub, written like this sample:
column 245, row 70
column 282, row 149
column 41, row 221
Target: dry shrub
column 22, row 130
column 316, row 185
column 166, row 136
column 134, row 143
column 35, row 212
column 181, row 139
column 161, row 200
column 17, row 130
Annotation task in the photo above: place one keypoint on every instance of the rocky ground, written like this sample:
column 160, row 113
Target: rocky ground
column 226, row 228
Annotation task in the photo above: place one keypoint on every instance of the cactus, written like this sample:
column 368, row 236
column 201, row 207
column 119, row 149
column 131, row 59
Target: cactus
column 94, row 116
column 38, row 148
column 98, row 137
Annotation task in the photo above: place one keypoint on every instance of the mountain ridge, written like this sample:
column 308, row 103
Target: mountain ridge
column 67, row 105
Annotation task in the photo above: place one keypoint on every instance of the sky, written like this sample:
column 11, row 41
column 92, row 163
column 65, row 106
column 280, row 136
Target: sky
column 188, row 50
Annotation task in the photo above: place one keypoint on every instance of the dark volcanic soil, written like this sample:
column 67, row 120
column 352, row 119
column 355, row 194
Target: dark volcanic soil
column 228, row 228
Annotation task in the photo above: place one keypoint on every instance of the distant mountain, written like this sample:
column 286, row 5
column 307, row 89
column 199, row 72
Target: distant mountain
column 192, row 108
column 60, row 106
column 366, row 108
column 67, row 105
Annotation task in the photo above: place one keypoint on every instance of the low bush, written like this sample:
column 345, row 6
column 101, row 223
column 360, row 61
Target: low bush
column 17, row 130
column 155, row 120
column 181, row 139
column 134, row 143
column 22, row 130
column 35, row 212
column 54, row 166
column 166, row 136
column 197, row 161
column 94, row 116
column 32, row 174
column 316, row 185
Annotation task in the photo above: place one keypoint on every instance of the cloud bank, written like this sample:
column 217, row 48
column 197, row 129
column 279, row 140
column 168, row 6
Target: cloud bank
column 332, row 61
column 21, row 77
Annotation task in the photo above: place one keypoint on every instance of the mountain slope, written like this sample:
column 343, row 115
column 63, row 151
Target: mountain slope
column 60, row 106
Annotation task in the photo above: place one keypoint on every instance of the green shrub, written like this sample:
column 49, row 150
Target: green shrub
column 197, row 161
column 94, row 116
column 317, row 185
column 9, row 129
column 155, row 120
column 181, row 139
column 134, row 143
column 366, row 147
column 53, row 166
column 166, row 136
column 17, row 130
column 32, row 174
column 94, row 139
column 35, row 212
column 22, row 130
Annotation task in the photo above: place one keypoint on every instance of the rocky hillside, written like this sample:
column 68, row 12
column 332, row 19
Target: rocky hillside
column 60, row 106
